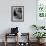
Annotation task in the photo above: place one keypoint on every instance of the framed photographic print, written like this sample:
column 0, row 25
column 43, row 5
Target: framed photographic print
column 17, row 13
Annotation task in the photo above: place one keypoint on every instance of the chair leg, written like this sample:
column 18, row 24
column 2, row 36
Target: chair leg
column 5, row 40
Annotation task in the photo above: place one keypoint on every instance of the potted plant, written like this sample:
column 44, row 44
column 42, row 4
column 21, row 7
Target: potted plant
column 39, row 35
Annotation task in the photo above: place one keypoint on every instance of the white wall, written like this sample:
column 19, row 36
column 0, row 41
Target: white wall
column 29, row 15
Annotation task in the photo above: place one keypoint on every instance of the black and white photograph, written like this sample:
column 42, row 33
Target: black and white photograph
column 17, row 13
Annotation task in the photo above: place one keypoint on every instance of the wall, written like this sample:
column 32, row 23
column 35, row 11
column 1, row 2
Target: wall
column 29, row 15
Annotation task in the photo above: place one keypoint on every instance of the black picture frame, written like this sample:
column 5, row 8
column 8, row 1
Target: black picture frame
column 17, row 13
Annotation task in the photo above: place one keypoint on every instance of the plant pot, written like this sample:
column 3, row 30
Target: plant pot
column 40, row 41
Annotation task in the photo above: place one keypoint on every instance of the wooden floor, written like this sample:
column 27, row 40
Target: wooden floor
column 13, row 44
